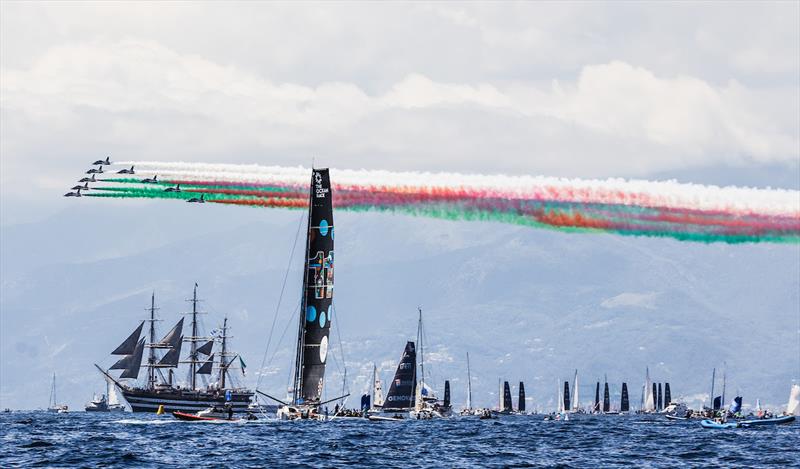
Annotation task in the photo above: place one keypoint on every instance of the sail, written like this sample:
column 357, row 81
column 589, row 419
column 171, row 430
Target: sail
column 401, row 391
column 173, row 337
column 717, row 403
column 172, row 356
column 655, row 397
column 667, row 395
column 365, row 402
column 624, row 405
column 606, row 399
column 318, row 291
column 113, row 397
column 132, row 370
column 596, row 407
column 507, row 405
column 576, row 401
column 567, row 405
column 560, row 398
column 129, row 346
column 736, row 405
column 446, row 401
column 793, row 407
column 521, row 402
column 660, row 398
column 205, row 349
column 205, row 368
column 377, row 392
column 649, row 399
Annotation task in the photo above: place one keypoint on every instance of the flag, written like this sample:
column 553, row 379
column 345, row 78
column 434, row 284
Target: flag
column 244, row 367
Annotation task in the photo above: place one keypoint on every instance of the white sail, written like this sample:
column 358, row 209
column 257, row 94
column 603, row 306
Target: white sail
column 793, row 408
column 377, row 391
column 113, row 397
column 575, row 400
column 649, row 399
column 560, row 397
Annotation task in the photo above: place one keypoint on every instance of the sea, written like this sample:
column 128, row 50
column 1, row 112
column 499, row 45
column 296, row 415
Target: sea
column 80, row 439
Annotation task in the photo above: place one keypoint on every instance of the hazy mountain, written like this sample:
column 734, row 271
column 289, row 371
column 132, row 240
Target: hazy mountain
column 527, row 304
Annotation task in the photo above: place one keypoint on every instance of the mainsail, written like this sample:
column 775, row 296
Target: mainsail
column 315, row 322
column 129, row 345
column 507, row 405
column 404, row 384
column 377, row 388
column 660, row 399
column 521, row 402
column 624, row 405
column 576, row 401
column 667, row 395
column 113, row 397
column 597, row 398
column 205, row 368
column 567, row 406
column 446, row 400
column 606, row 399
column 173, row 342
column 649, row 399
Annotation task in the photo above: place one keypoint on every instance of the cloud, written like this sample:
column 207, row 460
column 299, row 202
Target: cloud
column 631, row 300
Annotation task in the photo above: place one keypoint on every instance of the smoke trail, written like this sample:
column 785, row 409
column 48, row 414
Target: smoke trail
column 637, row 208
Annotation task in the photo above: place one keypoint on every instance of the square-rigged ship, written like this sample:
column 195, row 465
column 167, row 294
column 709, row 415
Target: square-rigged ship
column 160, row 389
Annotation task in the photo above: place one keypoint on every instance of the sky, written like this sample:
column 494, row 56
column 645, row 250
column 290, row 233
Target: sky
column 704, row 92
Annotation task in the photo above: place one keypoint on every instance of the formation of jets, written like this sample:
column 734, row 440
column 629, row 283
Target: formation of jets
column 76, row 190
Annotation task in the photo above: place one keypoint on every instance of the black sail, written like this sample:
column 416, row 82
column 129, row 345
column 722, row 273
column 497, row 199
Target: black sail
column 624, row 405
column 205, row 349
column 667, row 395
column 173, row 355
column 606, row 399
column 655, row 394
column 446, row 402
column 129, row 346
column 205, row 368
column 401, row 393
column 315, row 322
column 173, row 336
column 132, row 371
column 659, row 406
column 567, row 403
column 521, row 403
column 597, row 397
column 507, row 405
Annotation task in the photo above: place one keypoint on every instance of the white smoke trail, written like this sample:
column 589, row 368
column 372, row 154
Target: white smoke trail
column 667, row 194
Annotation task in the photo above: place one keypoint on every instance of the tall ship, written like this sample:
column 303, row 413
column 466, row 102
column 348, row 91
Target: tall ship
column 210, row 380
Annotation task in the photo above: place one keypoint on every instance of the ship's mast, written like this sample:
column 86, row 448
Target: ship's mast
column 193, row 340
column 421, row 351
column 151, row 358
column 223, row 366
column 469, row 385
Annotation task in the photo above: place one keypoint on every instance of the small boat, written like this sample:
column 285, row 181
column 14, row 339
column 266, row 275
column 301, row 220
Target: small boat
column 53, row 406
column 706, row 423
column 212, row 413
column 771, row 421
column 383, row 418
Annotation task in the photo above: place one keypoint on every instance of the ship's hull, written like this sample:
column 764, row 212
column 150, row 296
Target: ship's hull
column 145, row 400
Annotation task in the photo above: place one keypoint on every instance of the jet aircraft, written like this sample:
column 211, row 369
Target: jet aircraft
column 150, row 180
column 201, row 200
column 73, row 194
column 177, row 188
column 126, row 171
column 97, row 170
column 91, row 179
column 102, row 162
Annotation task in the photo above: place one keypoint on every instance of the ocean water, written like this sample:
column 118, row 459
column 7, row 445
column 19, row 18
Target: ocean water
column 40, row 439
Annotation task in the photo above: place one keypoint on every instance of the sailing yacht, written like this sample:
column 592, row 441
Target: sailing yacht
column 376, row 401
column 108, row 402
column 53, row 405
column 468, row 410
column 427, row 405
column 317, row 298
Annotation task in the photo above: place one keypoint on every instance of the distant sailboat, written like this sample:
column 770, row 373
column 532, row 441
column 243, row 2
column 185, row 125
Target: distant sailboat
column 606, row 399
column 660, row 403
column 506, row 406
column 53, row 405
column 596, row 407
column 576, row 403
column 468, row 410
column 567, row 401
column 624, row 405
column 377, row 390
column 649, row 398
column 521, row 401
column 667, row 395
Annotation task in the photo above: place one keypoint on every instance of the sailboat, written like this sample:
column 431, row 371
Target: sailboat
column 108, row 402
column 576, row 403
column 316, row 300
column 427, row 405
column 793, row 406
column 53, row 405
column 400, row 398
column 160, row 389
column 649, row 404
column 468, row 410
column 521, row 400
column 624, row 405
column 376, row 402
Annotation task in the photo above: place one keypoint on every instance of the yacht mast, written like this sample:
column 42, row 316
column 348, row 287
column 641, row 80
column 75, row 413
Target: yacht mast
column 223, row 366
column 469, row 385
column 421, row 351
column 193, row 340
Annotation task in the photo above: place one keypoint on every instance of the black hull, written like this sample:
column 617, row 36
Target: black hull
column 143, row 400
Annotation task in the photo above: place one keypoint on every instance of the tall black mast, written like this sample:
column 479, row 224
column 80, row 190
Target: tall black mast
column 223, row 366
column 298, row 359
column 193, row 340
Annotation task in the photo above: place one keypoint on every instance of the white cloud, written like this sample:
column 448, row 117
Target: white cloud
column 631, row 300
